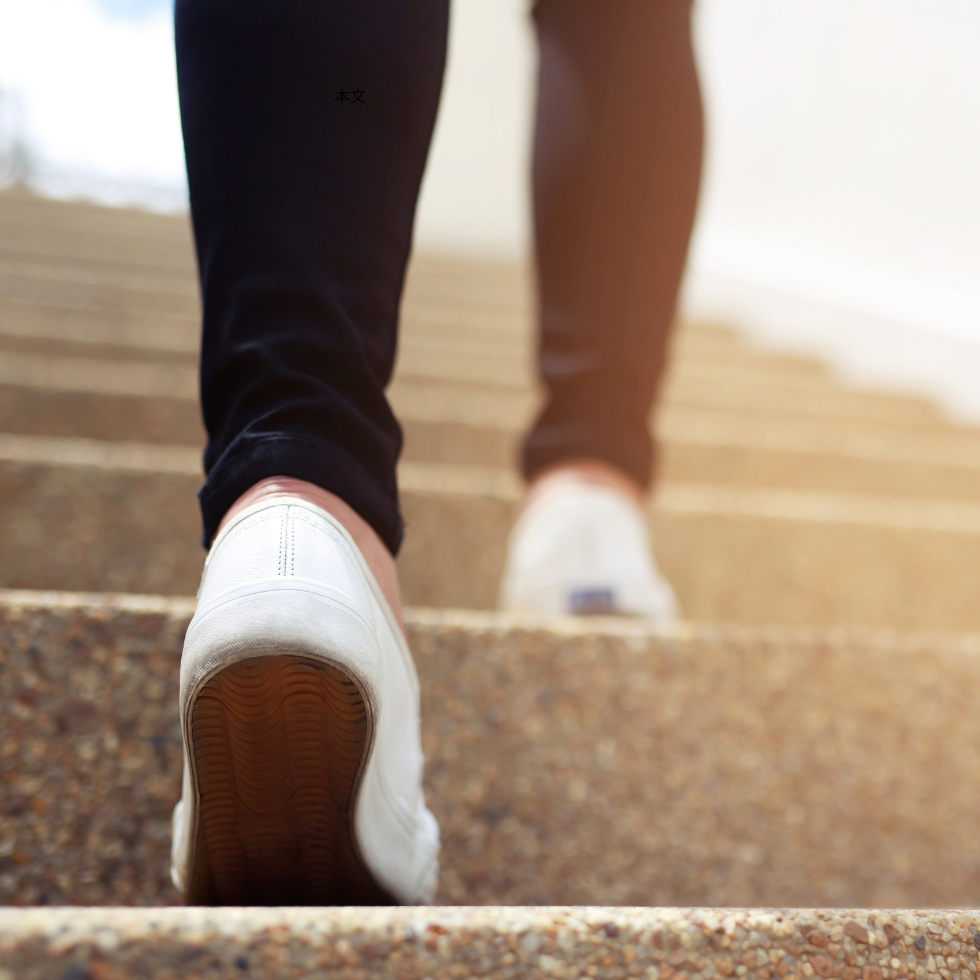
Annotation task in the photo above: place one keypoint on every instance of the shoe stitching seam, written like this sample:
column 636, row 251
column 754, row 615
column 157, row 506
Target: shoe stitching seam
column 232, row 534
column 235, row 528
column 325, row 527
column 339, row 540
column 282, row 544
column 300, row 515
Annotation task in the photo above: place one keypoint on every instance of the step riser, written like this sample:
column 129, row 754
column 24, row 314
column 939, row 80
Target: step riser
column 723, row 567
column 115, row 418
column 460, row 358
column 432, row 328
column 754, row 570
column 82, row 528
column 453, row 443
column 479, row 328
column 723, row 465
column 706, row 768
column 67, row 220
column 21, row 288
column 717, row 463
column 88, row 529
column 514, row 407
column 714, row 455
column 176, row 421
column 22, row 243
column 81, row 324
column 490, row 394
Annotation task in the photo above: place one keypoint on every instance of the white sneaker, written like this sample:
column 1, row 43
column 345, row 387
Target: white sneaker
column 299, row 707
column 584, row 549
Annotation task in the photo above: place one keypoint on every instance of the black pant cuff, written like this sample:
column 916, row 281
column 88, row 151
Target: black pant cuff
column 634, row 455
column 252, row 458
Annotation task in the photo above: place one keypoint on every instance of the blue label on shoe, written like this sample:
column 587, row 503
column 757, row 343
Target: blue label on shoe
column 593, row 602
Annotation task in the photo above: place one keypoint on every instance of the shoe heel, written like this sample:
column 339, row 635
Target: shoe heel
column 279, row 742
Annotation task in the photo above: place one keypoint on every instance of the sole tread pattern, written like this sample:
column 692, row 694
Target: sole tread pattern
column 278, row 741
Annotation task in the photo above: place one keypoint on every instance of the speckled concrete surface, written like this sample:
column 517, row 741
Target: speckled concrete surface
column 573, row 762
column 504, row 943
column 603, row 762
column 89, row 747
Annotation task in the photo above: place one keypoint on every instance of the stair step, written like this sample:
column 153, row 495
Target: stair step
column 124, row 401
column 424, row 328
column 153, row 379
column 116, row 516
column 84, row 231
column 120, row 417
column 568, row 761
column 113, row 378
column 86, row 514
column 513, row 407
column 742, row 554
column 458, row 356
column 130, row 293
column 488, row 390
column 87, row 324
column 655, row 944
column 708, row 446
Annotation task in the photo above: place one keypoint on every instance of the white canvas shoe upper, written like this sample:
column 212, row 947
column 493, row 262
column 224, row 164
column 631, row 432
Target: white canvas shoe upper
column 581, row 548
column 285, row 575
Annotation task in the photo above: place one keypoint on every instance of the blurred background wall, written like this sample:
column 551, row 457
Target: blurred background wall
column 841, row 212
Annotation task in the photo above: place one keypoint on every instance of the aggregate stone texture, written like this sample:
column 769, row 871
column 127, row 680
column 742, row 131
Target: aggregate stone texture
column 576, row 762
column 90, row 748
column 505, row 943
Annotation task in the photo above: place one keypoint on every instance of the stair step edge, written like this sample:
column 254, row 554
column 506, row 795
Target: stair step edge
column 653, row 943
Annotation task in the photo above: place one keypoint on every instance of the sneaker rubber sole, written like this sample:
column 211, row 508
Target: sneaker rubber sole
column 279, row 743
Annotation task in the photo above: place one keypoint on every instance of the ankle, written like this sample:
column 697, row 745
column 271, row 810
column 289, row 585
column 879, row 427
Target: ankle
column 584, row 471
column 376, row 554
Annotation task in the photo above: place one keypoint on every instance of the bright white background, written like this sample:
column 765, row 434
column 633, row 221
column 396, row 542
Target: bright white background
column 91, row 87
column 841, row 211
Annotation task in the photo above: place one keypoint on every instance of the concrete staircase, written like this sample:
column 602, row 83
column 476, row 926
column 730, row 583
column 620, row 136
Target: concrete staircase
column 784, row 496
column 816, row 746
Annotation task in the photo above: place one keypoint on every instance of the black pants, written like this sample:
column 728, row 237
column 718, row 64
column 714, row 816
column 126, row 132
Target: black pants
column 303, row 206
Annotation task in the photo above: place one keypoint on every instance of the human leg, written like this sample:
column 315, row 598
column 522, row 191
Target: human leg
column 303, row 208
column 299, row 701
column 617, row 161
